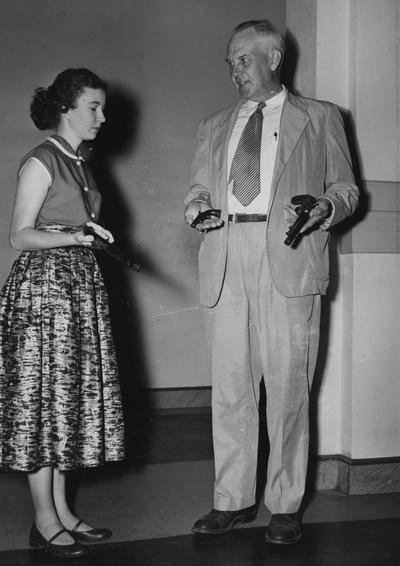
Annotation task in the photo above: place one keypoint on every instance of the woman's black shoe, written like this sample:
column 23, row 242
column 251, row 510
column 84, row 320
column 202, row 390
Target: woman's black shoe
column 74, row 550
column 89, row 537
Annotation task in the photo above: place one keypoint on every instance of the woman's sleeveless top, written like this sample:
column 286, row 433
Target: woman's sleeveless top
column 73, row 197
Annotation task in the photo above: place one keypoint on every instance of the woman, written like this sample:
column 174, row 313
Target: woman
column 60, row 405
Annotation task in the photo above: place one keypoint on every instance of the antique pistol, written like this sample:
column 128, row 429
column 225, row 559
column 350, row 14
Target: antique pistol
column 114, row 250
column 206, row 215
column 305, row 203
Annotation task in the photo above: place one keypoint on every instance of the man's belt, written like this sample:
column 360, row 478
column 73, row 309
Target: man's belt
column 247, row 217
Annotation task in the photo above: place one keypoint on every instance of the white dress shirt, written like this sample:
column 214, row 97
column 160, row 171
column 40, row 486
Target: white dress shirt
column 269, row 143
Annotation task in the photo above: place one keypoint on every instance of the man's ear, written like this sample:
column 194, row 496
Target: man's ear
column 275, row 59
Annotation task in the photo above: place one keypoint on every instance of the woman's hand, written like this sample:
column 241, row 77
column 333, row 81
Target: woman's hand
column 87, row 238
column 83, row 239
column 100, row 231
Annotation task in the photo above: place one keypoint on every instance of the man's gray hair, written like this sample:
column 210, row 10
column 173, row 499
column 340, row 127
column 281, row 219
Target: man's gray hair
column 265, row 28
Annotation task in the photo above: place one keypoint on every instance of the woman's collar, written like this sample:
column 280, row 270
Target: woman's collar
column 62, row 144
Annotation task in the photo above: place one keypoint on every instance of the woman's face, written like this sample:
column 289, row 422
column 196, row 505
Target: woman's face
column 86, row 118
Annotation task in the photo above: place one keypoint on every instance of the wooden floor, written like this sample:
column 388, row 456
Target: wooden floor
column 166, row 484
column 361, row 543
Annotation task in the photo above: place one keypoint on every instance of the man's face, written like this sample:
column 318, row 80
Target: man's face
column 251, row 64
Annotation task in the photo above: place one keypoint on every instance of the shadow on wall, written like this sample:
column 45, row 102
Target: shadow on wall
column 363, row 206
column 290, row 60
column 118, row 138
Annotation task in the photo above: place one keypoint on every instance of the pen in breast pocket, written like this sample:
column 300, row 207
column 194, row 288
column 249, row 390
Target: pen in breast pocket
column 276, row 136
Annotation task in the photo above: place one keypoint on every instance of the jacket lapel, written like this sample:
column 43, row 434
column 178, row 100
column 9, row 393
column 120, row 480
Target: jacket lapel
column 293, row 121
column 221, row 141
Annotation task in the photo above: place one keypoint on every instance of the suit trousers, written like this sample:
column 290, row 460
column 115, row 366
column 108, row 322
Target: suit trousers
column 254, row 332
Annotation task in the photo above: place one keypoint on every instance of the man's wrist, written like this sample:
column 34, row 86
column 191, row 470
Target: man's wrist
column 199, row 201
column 328, row 204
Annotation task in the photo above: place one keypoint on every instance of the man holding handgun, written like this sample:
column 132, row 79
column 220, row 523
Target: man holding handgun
column 253, row 168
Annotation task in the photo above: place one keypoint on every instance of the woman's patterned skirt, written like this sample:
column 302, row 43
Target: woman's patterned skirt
column 60, row 401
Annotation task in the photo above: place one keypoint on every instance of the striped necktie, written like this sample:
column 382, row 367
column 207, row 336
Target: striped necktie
column 245, row 168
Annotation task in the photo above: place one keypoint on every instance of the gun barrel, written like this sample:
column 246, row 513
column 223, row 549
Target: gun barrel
column 294, row 231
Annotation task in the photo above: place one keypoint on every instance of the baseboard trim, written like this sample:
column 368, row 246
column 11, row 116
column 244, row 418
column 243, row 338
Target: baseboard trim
column 355, row 477
column 328, row 472
column 171, row 398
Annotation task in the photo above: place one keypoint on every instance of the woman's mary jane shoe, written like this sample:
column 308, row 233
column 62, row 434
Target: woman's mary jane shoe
column 89, row 537
column 74, row 550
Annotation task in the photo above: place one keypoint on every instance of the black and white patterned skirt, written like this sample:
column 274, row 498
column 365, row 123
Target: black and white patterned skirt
column 60, row 401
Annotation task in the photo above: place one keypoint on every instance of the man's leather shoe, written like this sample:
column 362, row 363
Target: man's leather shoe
column 217, row 522
column 284, row 529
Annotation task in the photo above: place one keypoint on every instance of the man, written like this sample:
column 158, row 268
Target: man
column 262, row 297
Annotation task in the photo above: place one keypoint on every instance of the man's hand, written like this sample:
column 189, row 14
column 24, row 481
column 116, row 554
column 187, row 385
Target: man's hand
column 192, row 211
column 318, row 214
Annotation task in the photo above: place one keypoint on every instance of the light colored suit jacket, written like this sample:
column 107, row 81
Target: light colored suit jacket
column 312, row 158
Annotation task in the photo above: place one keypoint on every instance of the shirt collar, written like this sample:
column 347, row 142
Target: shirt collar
column 65, row 147
column 271, row 104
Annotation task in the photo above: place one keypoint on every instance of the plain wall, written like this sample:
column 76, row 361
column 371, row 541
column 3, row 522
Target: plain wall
column 353, row 60
column 164, row 60
column 357, row 52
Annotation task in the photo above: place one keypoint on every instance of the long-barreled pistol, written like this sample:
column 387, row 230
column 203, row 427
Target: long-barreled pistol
column 305, row 203
column 114, row 250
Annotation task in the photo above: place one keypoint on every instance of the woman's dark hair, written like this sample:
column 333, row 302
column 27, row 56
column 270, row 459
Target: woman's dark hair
column 48, row 103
